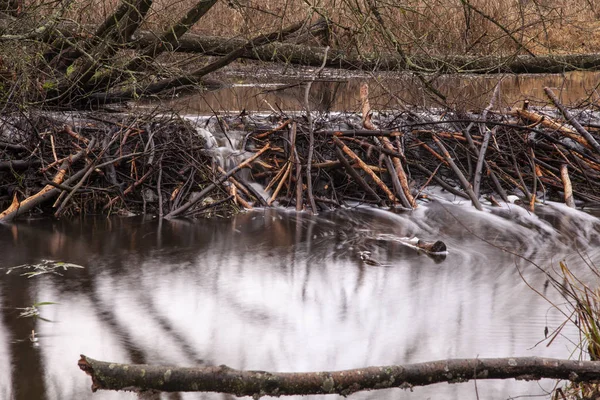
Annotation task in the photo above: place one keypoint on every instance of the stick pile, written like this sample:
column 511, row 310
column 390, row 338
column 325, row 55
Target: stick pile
column 160, row 166
column 105, row 164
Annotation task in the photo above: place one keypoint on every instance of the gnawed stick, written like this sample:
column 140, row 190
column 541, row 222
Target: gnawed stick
column 550, row 124
column 233, row 192
column 223, row 379
column 359, row 179
column 396, row 170
column 365, row 168
column 288, row 169
column 397, row 186
column 276, row 129
column 69, row 131
column 564, row 175
column 400, row 172
column 129, row 189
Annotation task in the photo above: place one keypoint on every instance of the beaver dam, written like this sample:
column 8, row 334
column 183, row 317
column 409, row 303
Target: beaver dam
column 170, row 166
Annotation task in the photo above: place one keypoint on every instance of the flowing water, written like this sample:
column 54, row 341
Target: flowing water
column 284, row 291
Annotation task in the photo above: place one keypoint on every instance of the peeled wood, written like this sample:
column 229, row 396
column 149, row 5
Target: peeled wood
column 47, row 192
column 365, row 168
column 354, row 174
column 223, row 379
column 564, row 175
column 551, row 124
column 401, row 174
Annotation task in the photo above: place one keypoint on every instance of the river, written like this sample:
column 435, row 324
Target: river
column 284, row 291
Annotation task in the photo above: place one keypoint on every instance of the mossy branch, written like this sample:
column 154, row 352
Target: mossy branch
column 113, row 376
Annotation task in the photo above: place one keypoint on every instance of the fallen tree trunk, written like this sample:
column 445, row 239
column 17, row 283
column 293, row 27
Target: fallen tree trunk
column 112, row 376
column 313, row 56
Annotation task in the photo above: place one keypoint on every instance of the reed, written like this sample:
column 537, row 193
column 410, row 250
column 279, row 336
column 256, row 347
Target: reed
column 583, row 308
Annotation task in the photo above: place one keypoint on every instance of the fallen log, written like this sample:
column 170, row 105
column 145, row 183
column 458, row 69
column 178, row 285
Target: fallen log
column 223, row 379
column 313, row 56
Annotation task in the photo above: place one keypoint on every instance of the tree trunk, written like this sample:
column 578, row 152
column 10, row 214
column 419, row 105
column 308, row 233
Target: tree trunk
column 313, row 56
column 112, row 376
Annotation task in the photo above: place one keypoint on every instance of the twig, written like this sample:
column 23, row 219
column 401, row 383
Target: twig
column 311, row 136
column 461, row 178
column 180, row 210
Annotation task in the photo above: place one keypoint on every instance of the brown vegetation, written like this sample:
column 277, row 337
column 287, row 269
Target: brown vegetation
column 431, row 26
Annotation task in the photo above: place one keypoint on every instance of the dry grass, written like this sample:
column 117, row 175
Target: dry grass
column 430, row 26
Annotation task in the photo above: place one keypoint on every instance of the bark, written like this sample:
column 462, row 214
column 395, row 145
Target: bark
column 461, row 178
column 113, row 376
column 64, row 53
column 18, row 164
column 356, row 176
column 365, row 168
column 178, row 211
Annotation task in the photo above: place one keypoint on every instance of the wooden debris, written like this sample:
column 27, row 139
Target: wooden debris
column 120, row 165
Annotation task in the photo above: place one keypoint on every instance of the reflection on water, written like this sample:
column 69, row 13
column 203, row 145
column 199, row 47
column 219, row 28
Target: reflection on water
column 281, row 291
column 388, row 91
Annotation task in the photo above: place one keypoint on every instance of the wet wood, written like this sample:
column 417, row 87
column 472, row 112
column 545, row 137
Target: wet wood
column 18, row 208
column 523, row 157
column 546, row 121
column 185, row 207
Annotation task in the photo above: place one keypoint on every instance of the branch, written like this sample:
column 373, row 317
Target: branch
column 212, row 186
column 194, row 77
column 112, row 376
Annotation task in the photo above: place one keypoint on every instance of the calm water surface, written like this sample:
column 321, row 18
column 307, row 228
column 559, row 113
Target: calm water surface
column 276, row 290
column 340, row 92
